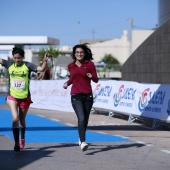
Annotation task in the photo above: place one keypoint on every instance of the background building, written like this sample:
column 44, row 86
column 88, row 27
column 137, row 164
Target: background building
column 121, row 48
column 150, row 62
column 164, row 11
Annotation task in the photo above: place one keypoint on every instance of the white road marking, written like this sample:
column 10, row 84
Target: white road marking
column 69, row 124
column 41, row 116
column 57, row 120
column 166, row 151
column 102, row 132
column 122, row 136
column 149, row 145
column 141, row 142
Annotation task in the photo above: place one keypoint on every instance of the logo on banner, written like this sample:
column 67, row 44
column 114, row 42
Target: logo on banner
column 151, row 101
column 143, row 99
column 125, row 94
column 95, row 93
column 102, row 93
column 117, row 96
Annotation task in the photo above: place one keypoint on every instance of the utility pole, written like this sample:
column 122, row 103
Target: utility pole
column 93, row 32
column 130, row 35
column 78, row 32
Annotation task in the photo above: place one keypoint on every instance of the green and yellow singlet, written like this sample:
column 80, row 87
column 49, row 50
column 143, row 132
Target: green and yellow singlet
column 19, row 78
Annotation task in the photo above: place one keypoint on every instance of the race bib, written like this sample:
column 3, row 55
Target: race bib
column 18, row 84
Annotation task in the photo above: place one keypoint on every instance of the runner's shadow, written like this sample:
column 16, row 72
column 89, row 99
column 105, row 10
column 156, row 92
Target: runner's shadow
column 11, row 160
column 110, row 147
column 60, row 145
column 119, row 127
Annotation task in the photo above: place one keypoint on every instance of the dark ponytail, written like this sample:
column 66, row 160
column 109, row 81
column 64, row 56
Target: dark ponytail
column 18, row 51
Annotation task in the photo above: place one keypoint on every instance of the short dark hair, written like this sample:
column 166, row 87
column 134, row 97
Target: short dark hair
column 86, row 49
column 19, row 51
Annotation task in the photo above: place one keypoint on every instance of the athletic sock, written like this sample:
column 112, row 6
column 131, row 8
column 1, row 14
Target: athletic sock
column 16, row 134
column 22, row 132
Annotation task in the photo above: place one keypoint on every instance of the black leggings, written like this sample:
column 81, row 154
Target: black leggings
column 82, row 105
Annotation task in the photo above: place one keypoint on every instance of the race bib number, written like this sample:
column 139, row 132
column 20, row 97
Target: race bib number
column 18, row 84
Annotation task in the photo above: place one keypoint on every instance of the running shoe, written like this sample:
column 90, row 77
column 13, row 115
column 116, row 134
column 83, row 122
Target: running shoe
column 17, row 147
column 84, row 146
column 79, row 142
column 22, row 143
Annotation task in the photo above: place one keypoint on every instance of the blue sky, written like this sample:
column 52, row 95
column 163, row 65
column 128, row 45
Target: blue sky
column 71, row 20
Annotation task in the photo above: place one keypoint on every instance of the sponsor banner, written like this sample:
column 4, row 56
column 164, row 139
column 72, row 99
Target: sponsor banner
column 153, row 101
column 123, row 96
column 102, row 94
column 147, row 100
column 50, row 94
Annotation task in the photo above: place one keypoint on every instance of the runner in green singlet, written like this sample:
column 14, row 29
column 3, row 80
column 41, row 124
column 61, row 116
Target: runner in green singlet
column 18, row 98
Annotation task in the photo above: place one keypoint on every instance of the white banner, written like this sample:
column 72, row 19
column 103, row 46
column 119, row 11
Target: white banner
column 123, row 96
column 153, row 101
column 102, row 92
column 50, row 94
column 147, row 100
